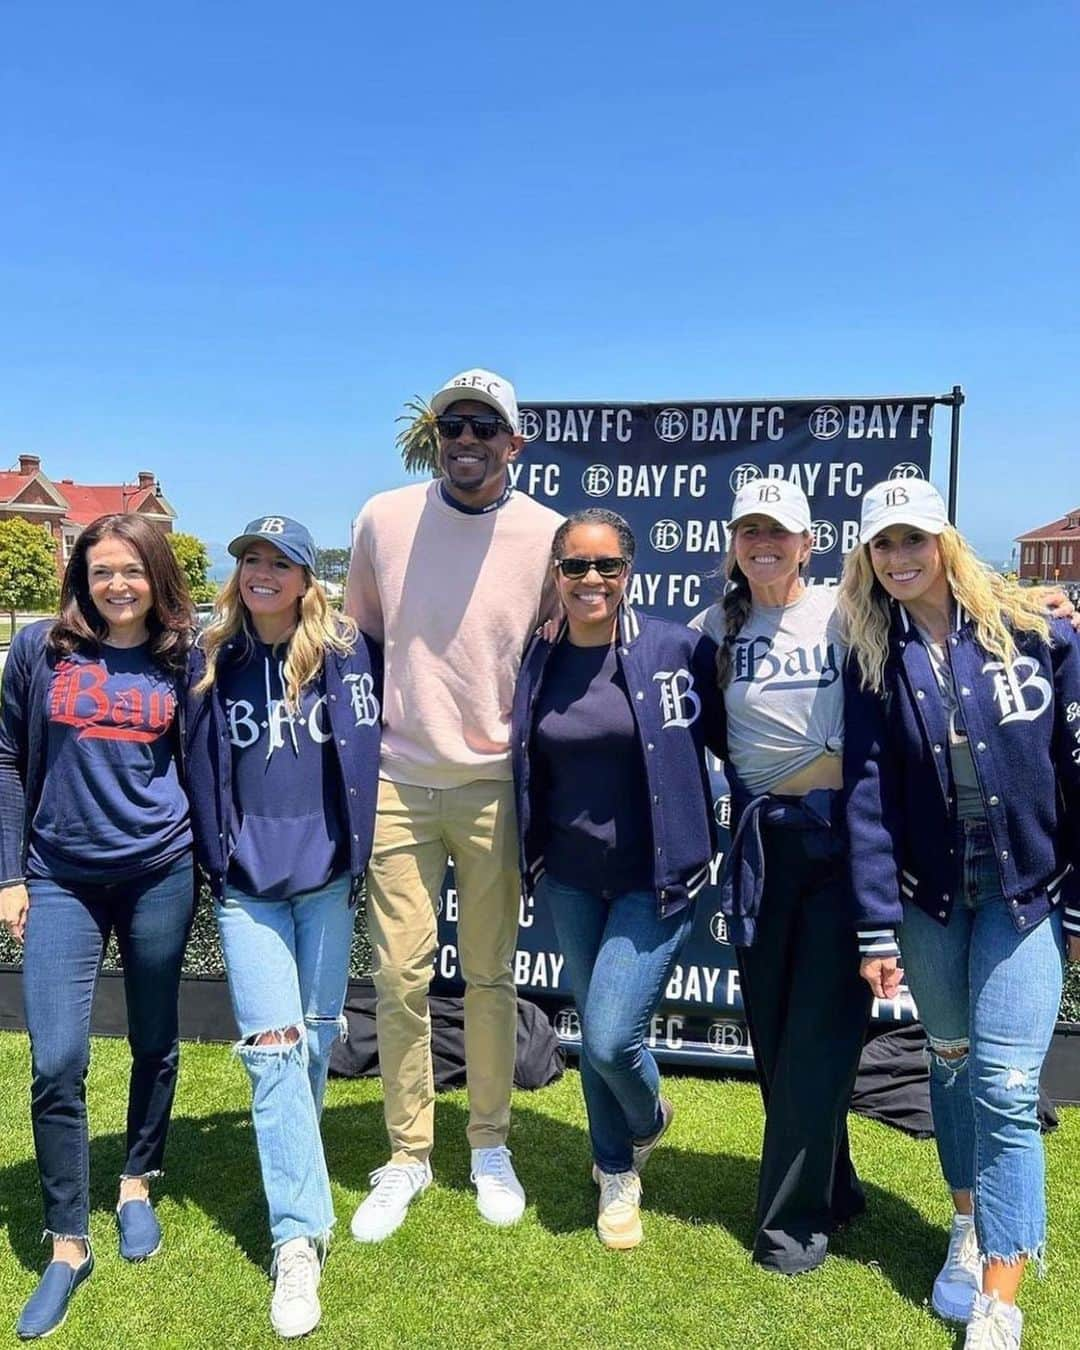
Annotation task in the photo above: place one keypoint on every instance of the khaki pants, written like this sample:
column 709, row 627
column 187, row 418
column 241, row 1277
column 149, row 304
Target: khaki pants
column 415, row 830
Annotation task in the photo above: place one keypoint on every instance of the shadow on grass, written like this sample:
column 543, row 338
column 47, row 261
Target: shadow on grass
column 212, row 1165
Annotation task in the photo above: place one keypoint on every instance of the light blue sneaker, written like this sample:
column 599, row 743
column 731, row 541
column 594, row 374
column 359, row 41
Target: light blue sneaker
column 44, row 1311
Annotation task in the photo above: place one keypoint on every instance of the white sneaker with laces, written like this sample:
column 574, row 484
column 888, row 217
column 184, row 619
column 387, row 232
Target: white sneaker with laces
column 394, row 1187
column 499, row 1195
column 618, row 1217
column 294, row 1309
column 994, row 1325
column 960, row 1278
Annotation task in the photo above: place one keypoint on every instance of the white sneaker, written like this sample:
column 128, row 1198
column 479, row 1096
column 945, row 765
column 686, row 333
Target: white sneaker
column 960, row 1278
column 383, row 1209
column 643, row 1147
column 499, row 1195
column 994, row 1325
column 294, row 1309
column 618, row 1217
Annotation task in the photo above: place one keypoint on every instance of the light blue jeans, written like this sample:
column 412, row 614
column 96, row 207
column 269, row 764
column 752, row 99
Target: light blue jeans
column 287, row 963
column 984, row 987
column 619, row 956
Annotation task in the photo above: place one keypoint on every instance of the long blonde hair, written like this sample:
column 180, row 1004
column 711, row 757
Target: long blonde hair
column 318, row 630
column 997, row 607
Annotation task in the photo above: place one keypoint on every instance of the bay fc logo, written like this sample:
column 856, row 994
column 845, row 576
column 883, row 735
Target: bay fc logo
column 597, row 480
column 666, row 536
column 671, row 424
column 742, row 474
column 567, row 1024
column 906, row 470
column 718, row 928
column 728, row 1038
column 826, row 422
column 532, row 424
column 823, row 536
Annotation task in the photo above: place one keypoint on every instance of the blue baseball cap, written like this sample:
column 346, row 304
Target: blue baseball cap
column 288, row 535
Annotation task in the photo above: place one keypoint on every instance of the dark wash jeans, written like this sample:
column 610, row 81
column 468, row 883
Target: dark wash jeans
column 807, row 1009
column 67, row 928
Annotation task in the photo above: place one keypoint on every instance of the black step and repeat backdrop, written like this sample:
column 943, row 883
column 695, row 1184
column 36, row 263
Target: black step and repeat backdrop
column 672, row 471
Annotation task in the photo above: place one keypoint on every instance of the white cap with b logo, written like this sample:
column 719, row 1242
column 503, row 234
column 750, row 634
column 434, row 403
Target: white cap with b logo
column 776, row 498
column 903, row 501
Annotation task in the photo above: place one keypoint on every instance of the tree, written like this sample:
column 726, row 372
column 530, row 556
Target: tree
column 27, row 567
column 331, row 564
column 418, row 440
column 194, row 562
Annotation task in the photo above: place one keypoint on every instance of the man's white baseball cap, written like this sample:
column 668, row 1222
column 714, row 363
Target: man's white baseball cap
column 483, row 386
column 902, row 501
column 776, row 498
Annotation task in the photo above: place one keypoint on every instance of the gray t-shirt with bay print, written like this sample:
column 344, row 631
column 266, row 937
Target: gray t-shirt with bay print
column 785, row 700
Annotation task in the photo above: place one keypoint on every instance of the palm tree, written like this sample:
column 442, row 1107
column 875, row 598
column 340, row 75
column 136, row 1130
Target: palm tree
column 418, row 441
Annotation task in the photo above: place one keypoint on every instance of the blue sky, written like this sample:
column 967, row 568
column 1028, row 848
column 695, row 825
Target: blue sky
column 235, row 238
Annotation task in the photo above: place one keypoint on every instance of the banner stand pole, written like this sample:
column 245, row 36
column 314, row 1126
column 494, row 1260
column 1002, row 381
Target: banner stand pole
column 955, row 402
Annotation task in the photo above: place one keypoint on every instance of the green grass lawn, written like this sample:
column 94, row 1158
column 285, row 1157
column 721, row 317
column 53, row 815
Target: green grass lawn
column 447, row 1280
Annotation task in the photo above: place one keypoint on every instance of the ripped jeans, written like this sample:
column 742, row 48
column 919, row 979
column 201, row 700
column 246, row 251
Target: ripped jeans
column 287, row 962
column 984, row 987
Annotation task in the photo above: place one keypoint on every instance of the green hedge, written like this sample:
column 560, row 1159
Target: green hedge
column 204, row 955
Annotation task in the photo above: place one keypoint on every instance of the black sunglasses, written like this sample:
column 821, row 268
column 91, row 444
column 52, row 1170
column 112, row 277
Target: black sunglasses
column 576, row 568
column 483, row 427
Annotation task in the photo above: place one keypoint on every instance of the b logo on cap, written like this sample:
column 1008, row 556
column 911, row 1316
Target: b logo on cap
column 272, row 525
column 897, row 496
column 769, row 493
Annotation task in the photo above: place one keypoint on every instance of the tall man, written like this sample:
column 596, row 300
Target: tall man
column 452, row 576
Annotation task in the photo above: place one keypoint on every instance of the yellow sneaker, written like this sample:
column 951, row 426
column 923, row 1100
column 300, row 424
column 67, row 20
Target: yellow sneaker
column 618, row 1220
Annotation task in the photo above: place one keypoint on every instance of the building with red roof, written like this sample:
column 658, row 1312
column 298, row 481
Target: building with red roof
column 1052, row 552
column 65, row 507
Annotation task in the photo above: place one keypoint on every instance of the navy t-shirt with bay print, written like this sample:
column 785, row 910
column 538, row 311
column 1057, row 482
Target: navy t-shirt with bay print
column 111, row 803
column 286, row 781
column 592, row 775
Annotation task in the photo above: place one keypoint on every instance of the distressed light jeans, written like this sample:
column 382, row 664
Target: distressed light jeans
column 287, row 963
column 992, row 991
column 619, row 956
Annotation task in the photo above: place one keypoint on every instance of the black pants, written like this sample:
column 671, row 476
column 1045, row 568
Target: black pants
column 807, row 1009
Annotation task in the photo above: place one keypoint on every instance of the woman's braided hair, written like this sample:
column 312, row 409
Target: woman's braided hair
column 736, row 603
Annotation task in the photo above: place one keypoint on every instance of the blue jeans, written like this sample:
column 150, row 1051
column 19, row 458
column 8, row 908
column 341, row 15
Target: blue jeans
column 619, row 955
column 287, row 962
column 991, row 991
column 67, row 929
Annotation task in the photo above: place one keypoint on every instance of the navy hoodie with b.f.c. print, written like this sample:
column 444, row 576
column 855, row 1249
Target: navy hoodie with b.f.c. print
column 280, row 799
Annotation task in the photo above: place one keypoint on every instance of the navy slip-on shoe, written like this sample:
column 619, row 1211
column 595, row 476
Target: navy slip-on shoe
column 140, row 1232
column 44, row 1311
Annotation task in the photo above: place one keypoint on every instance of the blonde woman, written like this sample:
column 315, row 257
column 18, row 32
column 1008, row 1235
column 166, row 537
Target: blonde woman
column 962, row 780
column 283, row 749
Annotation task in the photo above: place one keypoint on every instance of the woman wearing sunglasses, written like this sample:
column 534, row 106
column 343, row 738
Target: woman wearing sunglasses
column 610, row 723
column 284, row 751
column 962, row 766
column 784, row 888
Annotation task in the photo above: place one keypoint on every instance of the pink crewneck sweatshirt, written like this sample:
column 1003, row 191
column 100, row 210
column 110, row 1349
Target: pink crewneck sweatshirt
column 453, row 598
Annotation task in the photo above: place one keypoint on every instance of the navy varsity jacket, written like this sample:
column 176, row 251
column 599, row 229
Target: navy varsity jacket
column 354, row 715
column 1023, row 725
column 670, row 672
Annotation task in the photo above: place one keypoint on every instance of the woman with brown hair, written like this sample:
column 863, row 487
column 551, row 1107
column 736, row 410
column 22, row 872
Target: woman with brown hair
column 95, row 840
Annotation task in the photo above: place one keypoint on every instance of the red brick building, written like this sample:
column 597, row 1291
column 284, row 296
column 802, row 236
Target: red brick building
column 1052, row 552
column 65, row 507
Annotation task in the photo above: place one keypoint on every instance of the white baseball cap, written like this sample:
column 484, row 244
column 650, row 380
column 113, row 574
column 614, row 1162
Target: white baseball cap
column 902, row 501
column 484, row 387
column 776, row 498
